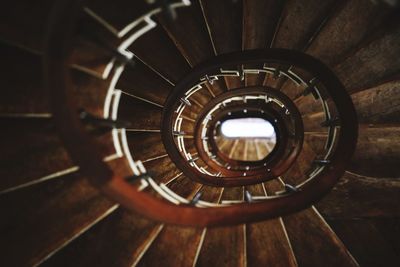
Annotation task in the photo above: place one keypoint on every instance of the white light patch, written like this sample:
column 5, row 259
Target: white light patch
column 247, row 128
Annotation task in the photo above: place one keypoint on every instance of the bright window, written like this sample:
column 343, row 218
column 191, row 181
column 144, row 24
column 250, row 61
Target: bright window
column 248, row 128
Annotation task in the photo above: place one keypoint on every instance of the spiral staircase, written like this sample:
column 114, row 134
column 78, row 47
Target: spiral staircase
column 112, row 148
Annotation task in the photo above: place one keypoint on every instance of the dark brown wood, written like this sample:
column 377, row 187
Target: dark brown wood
column 23, row 23
column 390, row 231
column 31, row 150
column 377, row 153
column 230, row 240
column 357, row 72
column 89, row 92
column 260, row 19
column 366, row 242
column 140, row 114
column 143, row 82
column 145, row 145
column 85, row 152
column 162, row 169
column 312, row 122
column 196, row 47
column 95, row 45
column 379, row 104
column 358, row 196
column 165, row 59
column 120, row 239
column 120, row 13
column 267, row 242
column 314, row 242
column 44, row 217
column 22, row 83
column 300, row 21
column 175, row 246
column 185, row 187
column 224, row 20
column 351, row 23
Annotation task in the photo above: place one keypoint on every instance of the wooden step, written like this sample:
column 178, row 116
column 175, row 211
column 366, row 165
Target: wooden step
column 358, row 196
column 312, row 121
column 260, row 21
column 377, row 153
column 24, row 23
column 312, row 239
column 143, row 82
column 45, row 217
column 224, row 23
column 373, row 62
column 89, row 92
column 225, row 246
column 267, row 242
column 379, row 104
column 364, row 239
column 120, row 239
column 389, row 230
column 94, row 45
column 301, row 21
column 185, row 187
column 140, row 114
column 145, row 145
column 22, row 86
column 162, row 169
column 175, row 245
column 31, row 150
column 164, row 58
column 352, row 23
column 120, row 13
column 314, row 242
column 196, row 47
column 317, row 141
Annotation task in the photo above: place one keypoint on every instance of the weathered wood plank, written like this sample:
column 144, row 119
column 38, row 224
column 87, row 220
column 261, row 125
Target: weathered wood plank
column 267, row 242
column 357, row 72
column 22, row 83
column 24, row 23
column 31, row 149
column 143, row 82
column 118, row 240
column 224, row 19
column 162, row 169
column 89, row 92
column 300, row 21
column 120, row 13
column 196, row 46
column 365, row 242
column 224, row 246
column 165, row 59
column 175, row 246
column 378, row 104
column 358, row 196
column 377, row 153
column 314, row 242
column 145, row 145
column 46, row 216
column 140, row 114
column 260, row 19
column 352, row 23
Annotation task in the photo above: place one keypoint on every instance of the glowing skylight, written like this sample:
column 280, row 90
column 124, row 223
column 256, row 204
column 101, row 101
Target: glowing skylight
column 247, row 128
